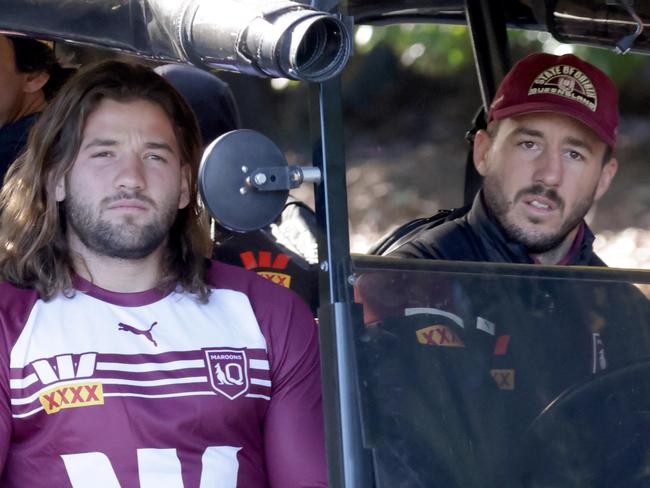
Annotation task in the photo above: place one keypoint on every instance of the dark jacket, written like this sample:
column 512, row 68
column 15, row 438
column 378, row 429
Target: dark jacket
column 468, row 361
column 12, row 140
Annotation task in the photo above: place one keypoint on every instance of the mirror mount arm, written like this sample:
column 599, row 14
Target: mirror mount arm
column 273, row 178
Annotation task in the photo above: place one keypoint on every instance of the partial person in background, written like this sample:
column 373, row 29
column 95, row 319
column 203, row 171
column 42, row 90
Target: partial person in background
column 29, row 76
column 284, row 252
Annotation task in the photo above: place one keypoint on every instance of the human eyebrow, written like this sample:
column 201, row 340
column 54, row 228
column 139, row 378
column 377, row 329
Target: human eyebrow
column 579, row 143
column 159, row 145
column 525, row 131
column 96, row 142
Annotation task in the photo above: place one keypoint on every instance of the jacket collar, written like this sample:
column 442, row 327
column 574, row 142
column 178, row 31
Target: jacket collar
column 502, row 249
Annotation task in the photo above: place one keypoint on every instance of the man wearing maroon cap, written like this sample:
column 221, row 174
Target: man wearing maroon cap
column 545, row 157
column 489, row 341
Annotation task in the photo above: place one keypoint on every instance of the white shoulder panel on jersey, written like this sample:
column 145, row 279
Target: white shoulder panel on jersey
column 83, row 324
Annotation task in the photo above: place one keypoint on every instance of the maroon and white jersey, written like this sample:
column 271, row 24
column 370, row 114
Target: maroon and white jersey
column 143, row 390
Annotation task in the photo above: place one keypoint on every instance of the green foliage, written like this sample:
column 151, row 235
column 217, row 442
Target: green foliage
column 444, row 50
column 435, row 50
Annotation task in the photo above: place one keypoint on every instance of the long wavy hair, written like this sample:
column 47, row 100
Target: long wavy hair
column 34, row 249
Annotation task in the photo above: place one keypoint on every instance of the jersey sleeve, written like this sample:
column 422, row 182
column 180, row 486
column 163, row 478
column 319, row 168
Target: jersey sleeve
column 5, row 410
column 293, row 428
column 15, row 305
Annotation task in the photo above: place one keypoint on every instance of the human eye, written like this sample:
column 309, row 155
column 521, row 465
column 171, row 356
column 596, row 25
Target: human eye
column 101, row 154
column 155, row 157
column 527, row 144
column 574, row 155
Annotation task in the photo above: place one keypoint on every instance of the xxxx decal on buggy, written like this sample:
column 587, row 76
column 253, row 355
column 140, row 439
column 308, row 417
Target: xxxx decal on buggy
column 504, row 378
column 439, row 335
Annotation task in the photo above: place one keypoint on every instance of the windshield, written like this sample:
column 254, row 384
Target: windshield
column 477, row 374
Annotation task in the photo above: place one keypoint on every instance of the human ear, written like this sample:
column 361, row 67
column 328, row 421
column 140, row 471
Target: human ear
column 184, row 198
column 607, row 174
column 35, row 81
column 482, row 144
column 59, row 189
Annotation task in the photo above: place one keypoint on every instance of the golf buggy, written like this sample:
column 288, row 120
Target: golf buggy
column 407, row 401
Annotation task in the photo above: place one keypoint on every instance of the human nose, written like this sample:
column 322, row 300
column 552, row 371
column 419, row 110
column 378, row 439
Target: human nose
column 130, row 174
column 549, row 168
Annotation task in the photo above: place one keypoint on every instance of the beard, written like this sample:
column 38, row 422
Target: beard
column 123, row 240
column 534, row 240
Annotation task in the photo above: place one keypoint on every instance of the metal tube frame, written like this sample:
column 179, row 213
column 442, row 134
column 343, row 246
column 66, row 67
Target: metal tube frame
column 349, row 463
column 487, row 27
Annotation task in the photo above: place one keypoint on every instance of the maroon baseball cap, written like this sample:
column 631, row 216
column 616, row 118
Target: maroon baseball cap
column 563, row 84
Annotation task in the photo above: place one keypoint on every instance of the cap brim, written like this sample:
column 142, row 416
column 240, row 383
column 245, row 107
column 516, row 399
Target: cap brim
column 588, row 119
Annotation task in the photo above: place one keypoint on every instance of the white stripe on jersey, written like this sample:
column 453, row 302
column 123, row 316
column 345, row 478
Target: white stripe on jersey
column 20, row 383
column 27, row 414
column 259, row 364
column 255, row 395
column 151, row 367
column 255, row 381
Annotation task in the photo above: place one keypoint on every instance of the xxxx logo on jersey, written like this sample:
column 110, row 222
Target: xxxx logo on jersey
column 72, row 396
column 264, row 260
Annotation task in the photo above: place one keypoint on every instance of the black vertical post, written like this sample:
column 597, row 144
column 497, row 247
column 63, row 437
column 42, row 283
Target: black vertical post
column 487, row 27
column 349, row 464
column 489, row 37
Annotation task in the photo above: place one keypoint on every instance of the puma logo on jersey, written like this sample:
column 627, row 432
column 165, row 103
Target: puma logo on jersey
column 147, row 333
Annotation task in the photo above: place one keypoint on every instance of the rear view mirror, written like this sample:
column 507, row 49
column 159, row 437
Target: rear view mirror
column 244, row 180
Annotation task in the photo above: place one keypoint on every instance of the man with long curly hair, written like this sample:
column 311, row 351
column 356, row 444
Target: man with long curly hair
column 126, row 355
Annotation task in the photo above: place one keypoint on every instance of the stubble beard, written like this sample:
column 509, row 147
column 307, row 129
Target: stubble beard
column 535, row 241
column 124, row 240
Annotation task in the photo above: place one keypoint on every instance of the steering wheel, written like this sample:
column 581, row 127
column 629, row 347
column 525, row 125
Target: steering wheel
column 595, row 434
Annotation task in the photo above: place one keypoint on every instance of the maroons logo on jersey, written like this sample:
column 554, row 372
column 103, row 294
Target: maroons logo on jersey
column 566, row 81
column 228, row 371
